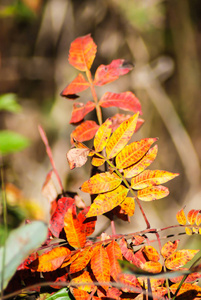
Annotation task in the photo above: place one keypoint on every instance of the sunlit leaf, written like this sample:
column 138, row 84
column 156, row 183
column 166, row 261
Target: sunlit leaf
column 192, row 215
column 77, row 157
column 82, row 260
column 102, row 135
column 137, row 240
column 85, row 278
column 142, row 164
column 73, row 229
column 100, row 183
column 80, row 110
column 186, row 287
column 128, row 253
column 11, row 141
column 153, row 193
column 151, row 253
column 117, row 119
column 82, row 52
column 152, row 266
column 114, row 254
column 69, row 259
column 151, row 178
column 97, row 161
column 79, row 84
column 62, row 294
column 51, row 260
column 179, row 258
column 131, row 283
column 121, row 136
column 8, row 102
column 169, row 248
column 100, row 266
column 128, row 205
column 181, row 218
column 113, row 293
column 108, row 73
column 85, row 131
column 133, row 153
column 107, row 201
column 190, row 278
column 80, row 294
column 88, row 224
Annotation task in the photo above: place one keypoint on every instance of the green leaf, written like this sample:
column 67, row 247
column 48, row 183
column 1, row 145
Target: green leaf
column 11, row 142
column 63, row 294
column 20, row 243
column 8, row 102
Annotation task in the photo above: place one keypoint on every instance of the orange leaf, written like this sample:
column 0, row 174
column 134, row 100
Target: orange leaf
column 85, row 131
column 77, row 157
column 80, row 294
column 192, row 215
column 80, row 110
column 100, row 266
column 125, row 101
column 113, row 293
column 102, row 135
column 107, row 201
column 85, row 278
column 151, row 253
column 151, row 178
column 190, row 278
column 72, row 227
column 131, row 281
column 100, row 183
column 128, row 205
column 108, row 73
column 68, row 260
column 181, row 218
column 82, row 52
column 51, row 260
column 186, row 287
column 88, row 225
column 140, row 166
column 133, row 153
column 79, row 84
column 153, row 193
column 152, row 266
column 114, row 254
column 97, row 161
column 82, row 260
column 179, row 258
column 169, row 248
column 121, row 136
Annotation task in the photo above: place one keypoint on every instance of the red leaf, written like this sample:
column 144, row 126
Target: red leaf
column 82, row 52
column 57, row 219
column 80, row 110
column 108, row 73
column 125, row 101
column 120, row 118
column 85, row 131
column 79, row 84
column 88, row 224
column 26, row 262
column 114, row 254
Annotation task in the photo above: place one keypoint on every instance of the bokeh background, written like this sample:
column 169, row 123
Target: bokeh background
column 162, row 39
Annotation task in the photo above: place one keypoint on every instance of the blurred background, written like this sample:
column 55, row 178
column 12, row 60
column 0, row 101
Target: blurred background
column 162, row 39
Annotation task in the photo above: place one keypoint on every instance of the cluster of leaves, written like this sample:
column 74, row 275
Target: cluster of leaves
column 116, row 266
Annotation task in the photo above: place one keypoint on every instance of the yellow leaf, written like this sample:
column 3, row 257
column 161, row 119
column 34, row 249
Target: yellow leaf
column 100, row 183
column 153, row 193
column 97, row 161
column 179, row 258
column 151, row 253
column 107, row 201
column 152, row 266
column 151, row 178
column 102, row 135
column 186, row 287
column 128, row 205
column 181, row 218
column 121, row 136
column 133, row 153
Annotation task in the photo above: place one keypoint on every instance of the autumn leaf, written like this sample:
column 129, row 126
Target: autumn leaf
column 130, row 282
column 151, row 253
column 100, row 183
column 152, row 266
column 179, row 258
column 107, row 201
column 186, row 287
column 82, row 53
column 69, row 259
column 97, row 161
column 85, row 278
column 102, row 135
column 77, row 157
column 133, row 153
column 151, row 178
column 117, row 119
column 121, row 136
column 100, row 266
column 108, row 73
column 169, row 248
column 85, row 131
column 79, row 84
column 114, row 254
column 181, row 218
column 128, row 253
column 192, row 215
column 125, row 101
column 128, row 205
column 51, row 260
column 153, row 193
column 140, row 166
column 82, row 260
column 88, row 224
column 72, row 227
column 80, row 110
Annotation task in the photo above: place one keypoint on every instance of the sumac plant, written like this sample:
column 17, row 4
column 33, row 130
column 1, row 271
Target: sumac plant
column 74, row 264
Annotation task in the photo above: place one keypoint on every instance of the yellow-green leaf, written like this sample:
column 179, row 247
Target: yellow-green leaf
column 153, row 193
column 102, row 135
column 121, row 136
column 101, row 183
column 107, row 201
column 151, row 178
column 142, row 164
column 179, row 258
column 133, row 153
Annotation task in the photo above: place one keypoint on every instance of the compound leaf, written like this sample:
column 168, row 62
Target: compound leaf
column 102, row 135
column 153, row 193
column 179, row 258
